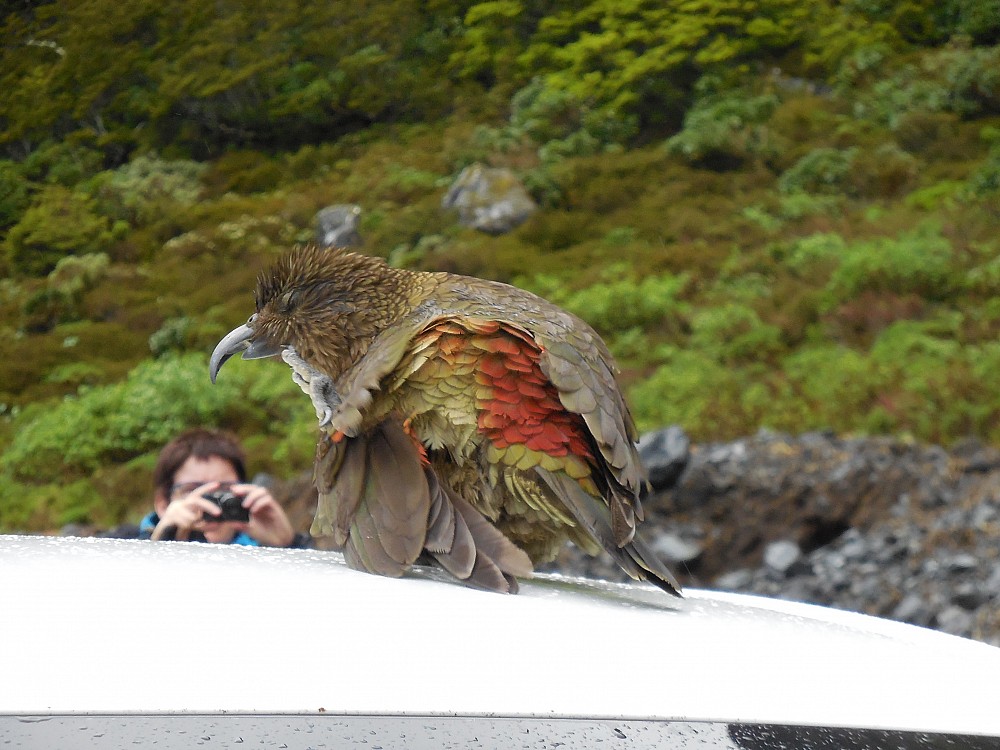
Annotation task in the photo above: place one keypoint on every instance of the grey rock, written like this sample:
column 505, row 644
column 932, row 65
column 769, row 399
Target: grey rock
column 912, row 609
column 992, row 583
column 491, row 200
column 665, row 453
column 781, row 555
column 853, row 545
column 676, row 549
column 955, row 620
column 969, row 595
column 337, row 226
column 961, row 563
column 735, row 580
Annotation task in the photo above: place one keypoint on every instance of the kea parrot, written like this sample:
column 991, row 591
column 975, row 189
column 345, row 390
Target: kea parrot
column 463, row 422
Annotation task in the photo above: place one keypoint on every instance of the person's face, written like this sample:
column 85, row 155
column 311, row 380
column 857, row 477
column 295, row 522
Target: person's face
column 197, row 471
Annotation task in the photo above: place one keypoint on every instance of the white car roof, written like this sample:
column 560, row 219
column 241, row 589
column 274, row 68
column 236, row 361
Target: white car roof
column 111, row 626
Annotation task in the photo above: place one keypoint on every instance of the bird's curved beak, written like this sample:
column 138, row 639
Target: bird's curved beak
column 239, row 340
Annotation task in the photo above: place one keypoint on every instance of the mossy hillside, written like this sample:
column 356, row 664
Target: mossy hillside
column 797, row 231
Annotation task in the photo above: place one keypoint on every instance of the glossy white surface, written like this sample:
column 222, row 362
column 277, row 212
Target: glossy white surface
column 111, row 626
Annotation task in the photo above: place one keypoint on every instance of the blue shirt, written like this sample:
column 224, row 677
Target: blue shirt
column 147, row 524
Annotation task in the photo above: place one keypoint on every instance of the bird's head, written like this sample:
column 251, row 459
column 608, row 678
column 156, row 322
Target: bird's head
column 326, row 304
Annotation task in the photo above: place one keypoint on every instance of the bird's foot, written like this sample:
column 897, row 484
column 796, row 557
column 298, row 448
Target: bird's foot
column 315, row 384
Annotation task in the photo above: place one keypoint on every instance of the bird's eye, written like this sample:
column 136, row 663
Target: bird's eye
column 287, row 301
column 252, row 319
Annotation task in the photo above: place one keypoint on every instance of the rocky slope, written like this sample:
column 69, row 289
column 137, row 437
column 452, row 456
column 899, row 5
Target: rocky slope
column 875, row 525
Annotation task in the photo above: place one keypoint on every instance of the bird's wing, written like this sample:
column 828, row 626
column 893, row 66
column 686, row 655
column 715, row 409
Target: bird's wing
column 575, row 360
column 545, row 404
column 357, row 386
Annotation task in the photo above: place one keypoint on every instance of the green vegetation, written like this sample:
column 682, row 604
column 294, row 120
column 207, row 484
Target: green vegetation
column 778, row 213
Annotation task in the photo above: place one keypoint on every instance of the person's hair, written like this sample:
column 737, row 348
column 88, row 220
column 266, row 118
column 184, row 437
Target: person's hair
column 200, row 443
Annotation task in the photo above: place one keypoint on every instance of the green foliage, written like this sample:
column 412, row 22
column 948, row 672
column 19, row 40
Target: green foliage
column 689, row 389
column 639, row 57
column 171, row 336
column 919, row 262
column 733, row 332
column 207, row 77
column 243, row 172
column 59, row 300
column 835, row 381
column 960, row 79
column 929, row 21
column 75, row 274
column 986, row 178
column 546, row 127
column 137, row 191
column 733, row 299
column 726, row 130
column 60, row 223
column 63, row 162
column 118, row 422
column 14, row 193
column 823, row 170
column 51, row 505
column 620, row 303
column 824, row 248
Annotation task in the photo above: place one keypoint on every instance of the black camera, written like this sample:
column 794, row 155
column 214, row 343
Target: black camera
column 231, row 506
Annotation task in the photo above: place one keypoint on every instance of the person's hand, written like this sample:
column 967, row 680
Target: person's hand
column 185, row 514
column 268, row 523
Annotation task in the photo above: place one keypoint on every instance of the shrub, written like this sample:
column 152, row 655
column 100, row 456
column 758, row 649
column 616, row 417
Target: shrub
column 75, row 274
column 692, row 390
column 909, row 90
column 622, row 303
column 805, row 252
column 882, row 172
column 917, row 262
column 986, row 178
column 63, row 162
column 839, row 385
column 59, row 301
column 137, row 191
column 972, row 77
column 823, row 170
column 171, row 336
column 725, row 130
column 14, row 194
column 557, row 124
column 114, row 423
column 243, row 172
column 956, row 79
column 60, row 223
column 733, row 332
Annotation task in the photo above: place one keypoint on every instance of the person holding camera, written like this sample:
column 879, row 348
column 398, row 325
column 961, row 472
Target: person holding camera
column 202, row 494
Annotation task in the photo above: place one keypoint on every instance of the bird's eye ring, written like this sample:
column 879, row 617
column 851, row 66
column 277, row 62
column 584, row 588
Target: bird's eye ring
column 252, row 319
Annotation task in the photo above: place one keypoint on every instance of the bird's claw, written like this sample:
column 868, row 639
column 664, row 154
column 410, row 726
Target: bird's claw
column 315, row 384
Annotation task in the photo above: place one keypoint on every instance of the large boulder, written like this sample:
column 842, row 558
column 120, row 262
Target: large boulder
column 337, row 226
column 489, row 199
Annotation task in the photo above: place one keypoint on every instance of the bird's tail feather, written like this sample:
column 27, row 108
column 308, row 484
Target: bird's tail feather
column 463, row 542
column 386, row 509
column 373, row 499
column 635, row 557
